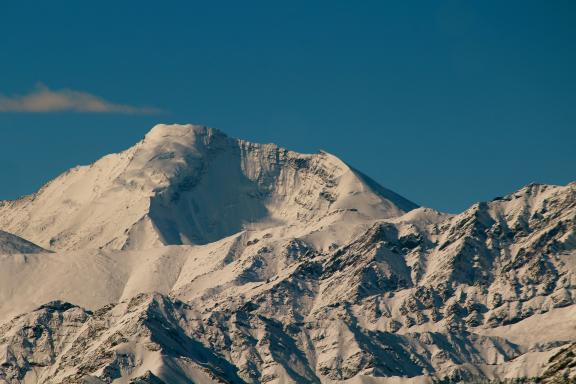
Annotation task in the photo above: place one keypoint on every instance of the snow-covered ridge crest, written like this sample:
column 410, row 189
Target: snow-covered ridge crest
column 203, row 258
column 189, row 184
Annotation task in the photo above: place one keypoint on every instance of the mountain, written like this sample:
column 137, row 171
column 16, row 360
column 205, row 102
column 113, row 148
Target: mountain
column 193, row 257
column 186, row 184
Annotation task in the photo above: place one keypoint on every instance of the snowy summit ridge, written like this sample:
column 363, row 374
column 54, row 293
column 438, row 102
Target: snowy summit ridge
column 193, row 257
column 188, row 184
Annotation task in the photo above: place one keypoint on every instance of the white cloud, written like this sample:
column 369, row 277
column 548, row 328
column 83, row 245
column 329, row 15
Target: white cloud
column 44, row 99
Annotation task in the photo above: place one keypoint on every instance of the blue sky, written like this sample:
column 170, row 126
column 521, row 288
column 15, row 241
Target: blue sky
column 446, row 102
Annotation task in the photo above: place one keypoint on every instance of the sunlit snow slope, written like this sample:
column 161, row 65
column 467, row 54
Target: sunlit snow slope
column 193, row 257
column 186, row 184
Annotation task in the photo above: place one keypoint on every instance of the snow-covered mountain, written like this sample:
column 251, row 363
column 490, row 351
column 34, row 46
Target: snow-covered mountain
column 186, row 184
column 193, row 257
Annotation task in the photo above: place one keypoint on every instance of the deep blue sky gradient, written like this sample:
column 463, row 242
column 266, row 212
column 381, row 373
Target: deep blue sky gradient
column 445, row 102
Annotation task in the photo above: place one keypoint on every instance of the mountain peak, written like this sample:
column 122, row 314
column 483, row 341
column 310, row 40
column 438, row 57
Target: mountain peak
column 163, row 131
column 313, row 270
column 190, row 184
column 163, row 138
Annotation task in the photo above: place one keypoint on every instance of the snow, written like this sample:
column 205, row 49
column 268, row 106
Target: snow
column 186, row 184
column 194, row 256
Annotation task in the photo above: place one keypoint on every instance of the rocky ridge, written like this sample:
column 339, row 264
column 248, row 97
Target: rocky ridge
column 201, row 258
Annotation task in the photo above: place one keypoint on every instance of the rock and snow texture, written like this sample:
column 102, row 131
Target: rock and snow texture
column 187, row 184
column 193, row 257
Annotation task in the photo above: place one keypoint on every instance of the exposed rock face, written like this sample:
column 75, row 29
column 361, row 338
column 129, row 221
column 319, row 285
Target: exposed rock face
column 561, row 367
column 73, row 344
column 206, row 259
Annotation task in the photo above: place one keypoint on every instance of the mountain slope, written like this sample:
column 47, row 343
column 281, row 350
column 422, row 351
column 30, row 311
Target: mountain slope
column 253, row 264
column 185, row 184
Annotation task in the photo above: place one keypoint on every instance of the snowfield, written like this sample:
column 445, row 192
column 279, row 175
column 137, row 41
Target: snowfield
column 193, row 257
